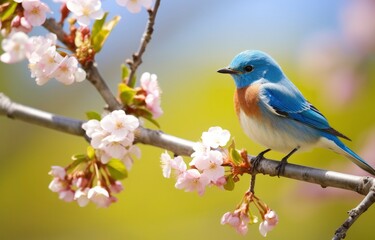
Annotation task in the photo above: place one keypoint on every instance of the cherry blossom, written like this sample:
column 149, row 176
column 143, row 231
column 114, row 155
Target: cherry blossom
column 270, row 221
column 150, row 84
column 135, row 6
column 99, row 196
column 35, row 11
column 177, row 166
column 58, row 172
column 66, row 195
column 81, row 197
column 67, row 70
column 236, row 220
column 210, row 165
column 113, row 137
column 215, row 137
column 85, row 10
column 20, row 24
column 16, row 47
column 118, row 125
column 192, row 180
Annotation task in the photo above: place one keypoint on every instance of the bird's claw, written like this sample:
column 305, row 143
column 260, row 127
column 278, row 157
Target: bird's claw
column 256, row 160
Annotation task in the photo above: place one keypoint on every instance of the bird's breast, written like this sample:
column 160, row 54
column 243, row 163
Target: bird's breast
column 247, row 100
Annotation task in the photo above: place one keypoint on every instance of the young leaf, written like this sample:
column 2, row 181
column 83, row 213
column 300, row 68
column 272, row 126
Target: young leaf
column 9, row 11
column 235, row 156
column 117, row 169
column 126, row 93
column 98, row 25
column 146, row 114
column 98, row 39
column 93, row 115
column 90, row 152
column 124, row 71
column 229, row 186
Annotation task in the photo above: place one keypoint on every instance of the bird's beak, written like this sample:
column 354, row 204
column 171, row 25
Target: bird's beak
column 227, row 71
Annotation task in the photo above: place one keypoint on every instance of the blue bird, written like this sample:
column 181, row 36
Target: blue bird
column 275, row 114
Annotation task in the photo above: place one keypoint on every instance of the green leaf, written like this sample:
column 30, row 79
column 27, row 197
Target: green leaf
column 93, row 115
column 235, row 156
column 126, row 93
column 102, row 31
column 90, row 152
column 79, row 157
column 77, row 160
column 98, row 25
column 117, row 169
column 124, row 71
column 9, row 11
column 146, row 114
column 229, row 186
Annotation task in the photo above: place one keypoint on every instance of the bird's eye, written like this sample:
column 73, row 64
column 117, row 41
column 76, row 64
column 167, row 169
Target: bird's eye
column 248, row 68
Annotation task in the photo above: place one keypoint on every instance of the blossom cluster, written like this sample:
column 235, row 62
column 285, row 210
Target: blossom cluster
column 85, row 10
column 78, row 186
column 95, row 176
column 206, row 166
column 45, row 62
column 34, row 14
column 112, row 137
column 150, row 86
column 241, row 217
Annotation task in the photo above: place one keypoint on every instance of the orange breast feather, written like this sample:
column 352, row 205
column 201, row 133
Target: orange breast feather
column 247, row 99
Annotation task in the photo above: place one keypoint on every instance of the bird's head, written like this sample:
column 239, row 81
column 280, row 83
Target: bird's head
column 251, row 66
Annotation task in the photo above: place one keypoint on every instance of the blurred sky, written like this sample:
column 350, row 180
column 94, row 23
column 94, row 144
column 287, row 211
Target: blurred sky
column 192, row 40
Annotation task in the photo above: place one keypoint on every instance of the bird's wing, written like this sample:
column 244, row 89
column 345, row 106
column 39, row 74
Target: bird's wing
column 287, row 101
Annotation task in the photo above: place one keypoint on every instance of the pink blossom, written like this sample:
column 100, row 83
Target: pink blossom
column 127, row 159
column 20, row 24
column 116, row 187
column 169, row 165
column 149, row 83
column 85, row 10
column 135, row 6
column 57, row 185
column 215, row 137
column 270, row 221
column 35, row 11
column 192, row 180
column 119, row 125
column 210, row 165
column 16, row 47
column 235, row 220
column 66, row 195
column 99, row 196
column 81, row 197
column 58, row 172
column 67, row 71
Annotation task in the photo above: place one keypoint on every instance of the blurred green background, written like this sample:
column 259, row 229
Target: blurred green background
column 326, row 49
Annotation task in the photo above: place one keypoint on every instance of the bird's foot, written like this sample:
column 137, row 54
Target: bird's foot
column 284, row 161
column 281, row 166
column 256, row 160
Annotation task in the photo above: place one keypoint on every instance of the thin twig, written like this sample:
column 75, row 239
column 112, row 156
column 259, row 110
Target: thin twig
column 96, row 79
column 354, row 214
column 137, row 57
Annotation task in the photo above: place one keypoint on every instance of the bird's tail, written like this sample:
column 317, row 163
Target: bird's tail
column 334, row 143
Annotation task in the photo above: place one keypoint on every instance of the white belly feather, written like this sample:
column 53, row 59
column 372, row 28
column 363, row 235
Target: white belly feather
column 282, row 140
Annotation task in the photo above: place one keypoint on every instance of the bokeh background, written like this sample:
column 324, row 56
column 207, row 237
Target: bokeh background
column 325, row 47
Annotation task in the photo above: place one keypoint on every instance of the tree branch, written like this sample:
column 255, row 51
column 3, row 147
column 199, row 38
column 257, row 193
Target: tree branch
column 354, row 214
column 137, row 57
column 361, row 185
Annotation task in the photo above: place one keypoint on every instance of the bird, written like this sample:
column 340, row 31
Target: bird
column 273, row 112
